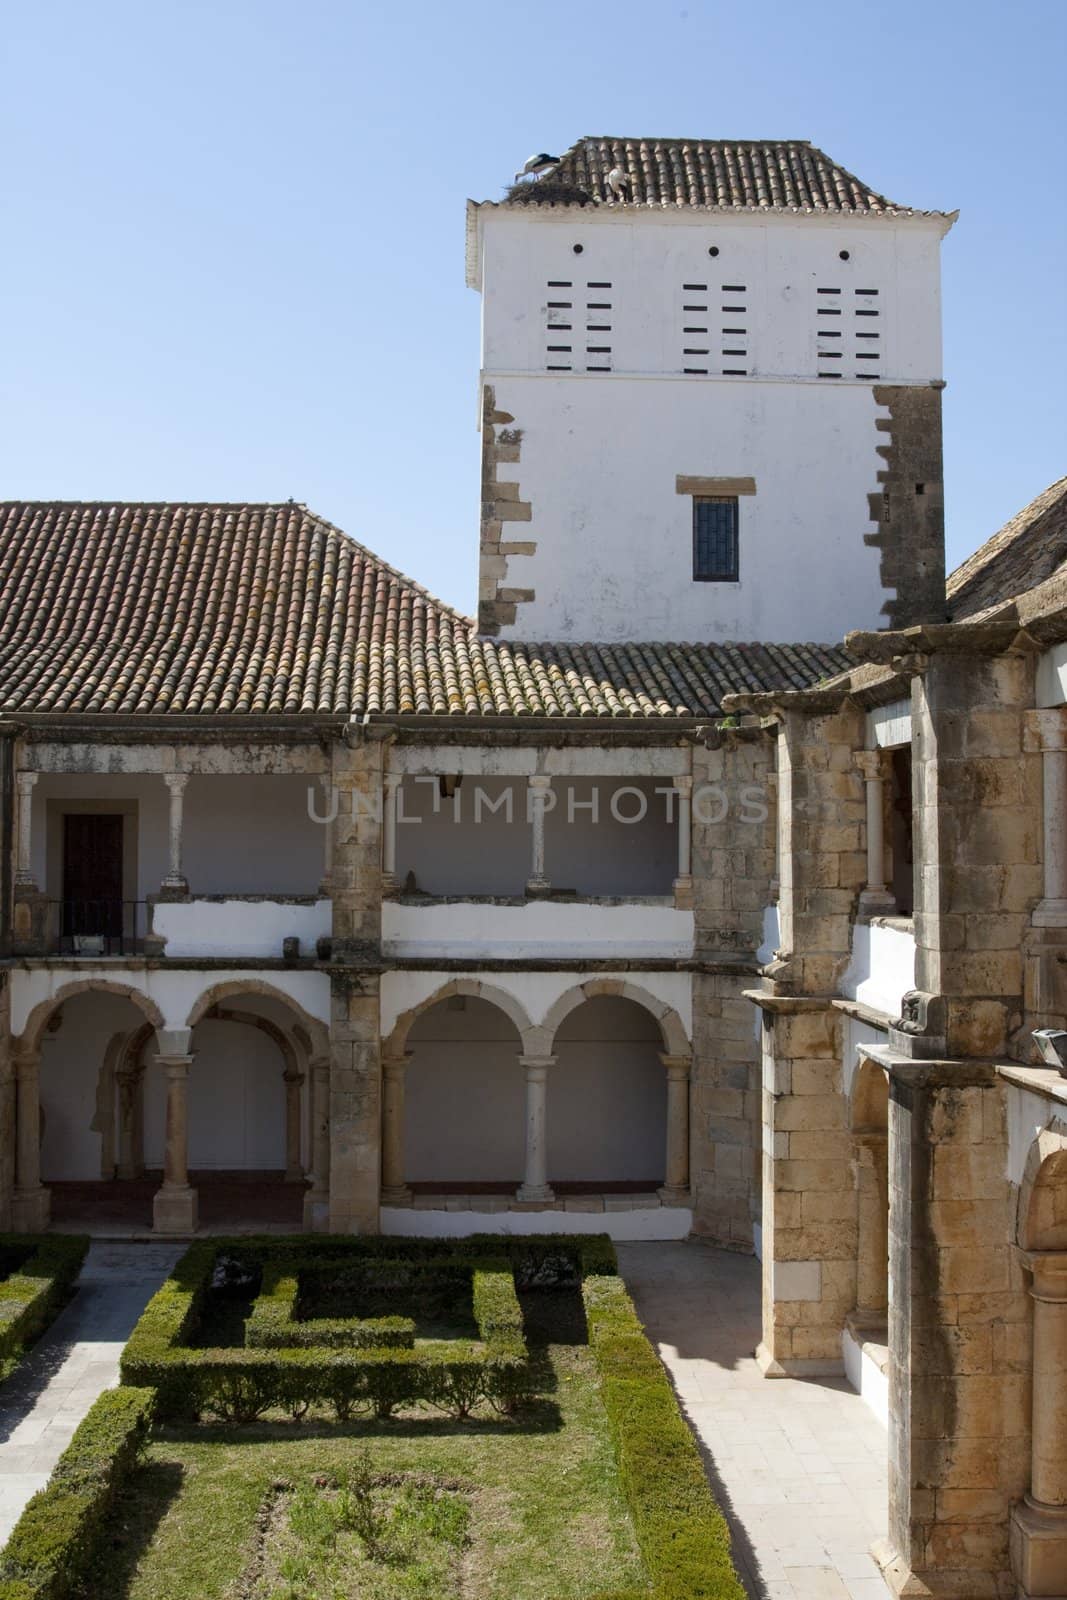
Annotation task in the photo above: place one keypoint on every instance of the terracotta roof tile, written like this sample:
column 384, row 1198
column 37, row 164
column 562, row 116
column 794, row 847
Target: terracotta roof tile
column 714, row 174
column 268, row 610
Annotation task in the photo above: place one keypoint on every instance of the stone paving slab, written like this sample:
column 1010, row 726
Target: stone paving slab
column 799, row 1467
column 47, row 1396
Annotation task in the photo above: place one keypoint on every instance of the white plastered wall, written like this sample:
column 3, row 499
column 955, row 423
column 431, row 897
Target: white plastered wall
column 600, row 452
column 236, row 1101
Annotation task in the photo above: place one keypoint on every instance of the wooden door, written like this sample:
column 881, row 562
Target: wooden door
column 92, row 874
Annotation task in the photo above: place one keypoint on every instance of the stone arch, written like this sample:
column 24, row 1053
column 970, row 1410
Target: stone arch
column 252, row 1019
column 1041, row 1219
column 473, row 988
column 219, row 992
column 671, row 1027
column 29, row 1040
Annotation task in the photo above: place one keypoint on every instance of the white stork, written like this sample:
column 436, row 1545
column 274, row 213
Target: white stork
column 537, row 166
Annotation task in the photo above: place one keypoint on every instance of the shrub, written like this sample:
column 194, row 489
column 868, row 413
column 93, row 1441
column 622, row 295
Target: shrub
column 275, row 1370
column 55, row 1539
column 682, row 1533
column 273, row 1323
column 43, row 1269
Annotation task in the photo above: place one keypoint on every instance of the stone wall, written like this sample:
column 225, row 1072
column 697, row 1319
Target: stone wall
column 501, row 503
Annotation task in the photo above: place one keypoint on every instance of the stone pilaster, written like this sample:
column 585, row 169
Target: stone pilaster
column 732, row 853
column 978, row 829
column 959, row 1400
column 355, row 1103
column 809, row 1217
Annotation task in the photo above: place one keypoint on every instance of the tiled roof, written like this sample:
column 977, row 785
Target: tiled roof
column 1025, row 552
column 142, row 609
column 721, row 175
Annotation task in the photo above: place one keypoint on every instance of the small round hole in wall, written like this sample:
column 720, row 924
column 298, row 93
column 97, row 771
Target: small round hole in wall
column 844, row 254
column 578, row 248
column 713, row 250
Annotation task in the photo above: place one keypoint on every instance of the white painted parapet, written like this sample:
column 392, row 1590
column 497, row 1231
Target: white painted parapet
column 539, row 928
column 253, row 927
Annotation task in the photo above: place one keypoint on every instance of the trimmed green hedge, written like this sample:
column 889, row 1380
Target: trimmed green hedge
column 239, row 1385
column 56, row 1537
column 273, row 1324
column 46, row 1266
column 682, row 1533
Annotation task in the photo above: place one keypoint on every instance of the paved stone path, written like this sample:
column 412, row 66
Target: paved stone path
column 799, row 1467
column 47, row 1396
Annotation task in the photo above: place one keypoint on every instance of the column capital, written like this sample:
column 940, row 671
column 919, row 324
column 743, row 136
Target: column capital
column 290, row 1075
column 175, row 1065
column 319, row 1064
column 683, row 782
column 532, row 1063
column 872, row 764
column 539, row 780
column 27, row 1063
column 25, row 781
column 176, row 781
column 1046, row 730
column 396, row 1064
column 391, row 781
column 677, row 1066
column 1049, row 1271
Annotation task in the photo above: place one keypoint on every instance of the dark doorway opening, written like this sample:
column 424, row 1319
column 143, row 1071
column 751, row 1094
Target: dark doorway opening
column 92, row 877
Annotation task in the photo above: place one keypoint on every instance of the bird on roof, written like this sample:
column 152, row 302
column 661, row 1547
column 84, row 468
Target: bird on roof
column 619, row 182
column 537, row 165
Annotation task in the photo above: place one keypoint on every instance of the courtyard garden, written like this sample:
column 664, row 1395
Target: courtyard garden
column 321, row 1418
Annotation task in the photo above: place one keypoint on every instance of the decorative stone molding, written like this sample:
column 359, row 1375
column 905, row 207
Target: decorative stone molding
column 1046, row 731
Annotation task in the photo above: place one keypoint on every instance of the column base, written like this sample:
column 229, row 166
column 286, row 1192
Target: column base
column 1050, row 914
column 771, row 1367
column 175, row 1210
column 396, row 1194
column 537, row 888
column 683, row 894
column 173, row 888
column 534, row 1193
column 675, row 1195
column 316, row 1217
column 31, row 1210
column 1038, row 1543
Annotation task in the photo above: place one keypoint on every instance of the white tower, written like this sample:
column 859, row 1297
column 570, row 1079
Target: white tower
column 711, row 402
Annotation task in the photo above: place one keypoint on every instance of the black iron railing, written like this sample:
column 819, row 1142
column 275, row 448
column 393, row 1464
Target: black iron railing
column 101, row 927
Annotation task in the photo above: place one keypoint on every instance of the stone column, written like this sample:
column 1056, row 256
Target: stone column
column 174, row 1207
column 539, row 787
column 675, row 1190
column 535, row 1186
column 317, row 1197
column 1039, row 1524
column 294, row 1167
column 875, row 900
column 394, row 1070
column 683, row 883
column 24, row 878
column 176, row 782
column 31, row 1203
column 391, row 782
column 1047, row 731
column 871, row 1167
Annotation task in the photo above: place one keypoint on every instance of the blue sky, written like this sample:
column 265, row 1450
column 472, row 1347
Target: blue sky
column 232, row 262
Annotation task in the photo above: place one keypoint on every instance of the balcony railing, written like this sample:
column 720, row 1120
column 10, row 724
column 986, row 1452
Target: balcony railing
column 102, row 927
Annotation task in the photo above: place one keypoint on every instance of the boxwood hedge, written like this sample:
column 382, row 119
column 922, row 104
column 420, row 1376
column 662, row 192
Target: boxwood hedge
column 55, row 1539
column 42, row 1268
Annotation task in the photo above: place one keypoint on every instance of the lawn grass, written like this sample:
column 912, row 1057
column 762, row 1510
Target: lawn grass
column 544, row 1516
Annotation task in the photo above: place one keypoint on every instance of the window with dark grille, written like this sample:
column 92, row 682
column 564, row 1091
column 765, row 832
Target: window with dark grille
column 715, row 540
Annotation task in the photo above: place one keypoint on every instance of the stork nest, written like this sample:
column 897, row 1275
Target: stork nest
column 548, row 192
